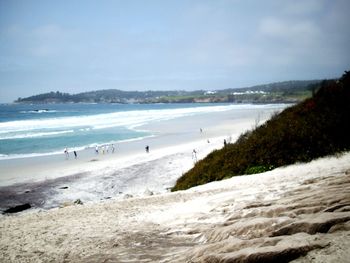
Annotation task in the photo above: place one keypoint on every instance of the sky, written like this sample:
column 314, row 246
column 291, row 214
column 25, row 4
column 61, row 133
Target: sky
column 84, row 45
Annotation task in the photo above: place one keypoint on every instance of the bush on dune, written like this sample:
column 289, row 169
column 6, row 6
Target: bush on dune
column 316, row 127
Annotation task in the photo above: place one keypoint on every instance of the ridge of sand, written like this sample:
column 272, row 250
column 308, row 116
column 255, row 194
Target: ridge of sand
column 300, row 212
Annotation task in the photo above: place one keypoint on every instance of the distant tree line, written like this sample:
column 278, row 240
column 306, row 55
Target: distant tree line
column 288, row 91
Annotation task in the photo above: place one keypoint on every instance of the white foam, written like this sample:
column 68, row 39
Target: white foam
column 34, row 135
column 128, row 119
column 27, row 155
column 31, row 155
column 39, row 111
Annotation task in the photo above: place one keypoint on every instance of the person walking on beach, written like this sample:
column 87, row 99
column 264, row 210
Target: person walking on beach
column 113, row 149
column 147, row 149
column 194, row 156
column 75, row 154
column 96, row 149
column 66, row 153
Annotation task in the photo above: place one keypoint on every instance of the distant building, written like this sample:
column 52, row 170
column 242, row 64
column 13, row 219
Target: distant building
column 210, row 92
column 249, row 92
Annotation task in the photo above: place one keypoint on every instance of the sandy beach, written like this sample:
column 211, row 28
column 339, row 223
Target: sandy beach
column 300, row 212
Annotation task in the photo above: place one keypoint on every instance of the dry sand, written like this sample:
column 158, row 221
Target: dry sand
column 300, row 212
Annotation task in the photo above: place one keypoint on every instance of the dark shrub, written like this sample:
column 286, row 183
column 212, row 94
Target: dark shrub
column 314, row 128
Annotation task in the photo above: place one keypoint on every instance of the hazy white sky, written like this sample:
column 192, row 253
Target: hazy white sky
column 80, row 45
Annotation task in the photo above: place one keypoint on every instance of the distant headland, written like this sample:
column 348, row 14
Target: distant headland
column 279, row 92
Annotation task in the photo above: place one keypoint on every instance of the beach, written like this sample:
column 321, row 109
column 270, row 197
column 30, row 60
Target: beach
column 126, row 212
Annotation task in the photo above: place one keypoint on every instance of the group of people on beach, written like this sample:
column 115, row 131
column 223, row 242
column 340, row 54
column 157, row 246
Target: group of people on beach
column 98, row 149
column 104, row 149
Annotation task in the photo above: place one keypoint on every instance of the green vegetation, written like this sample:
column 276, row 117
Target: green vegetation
column 100, row 96
column 281, row 92
column 316, row 127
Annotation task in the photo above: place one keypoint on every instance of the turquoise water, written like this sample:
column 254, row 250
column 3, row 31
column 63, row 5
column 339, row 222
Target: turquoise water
column 29, row 130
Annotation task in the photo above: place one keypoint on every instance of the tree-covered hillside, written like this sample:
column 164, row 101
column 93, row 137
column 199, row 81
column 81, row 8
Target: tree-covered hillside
column 316, row 127
column 99, row 96
column 288, row 91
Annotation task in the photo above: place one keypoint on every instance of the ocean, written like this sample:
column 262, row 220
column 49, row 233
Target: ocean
column 34, row 130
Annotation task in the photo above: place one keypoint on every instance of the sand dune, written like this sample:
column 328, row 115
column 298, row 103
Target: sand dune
column 300, row 213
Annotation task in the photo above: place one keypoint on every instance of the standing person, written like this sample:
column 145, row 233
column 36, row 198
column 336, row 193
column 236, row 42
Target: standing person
column 147, row 149
column 66, row 153
column 75, row 154
column 96, row 149
column 194, row 155
column 225, row 142
column 113, row 149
